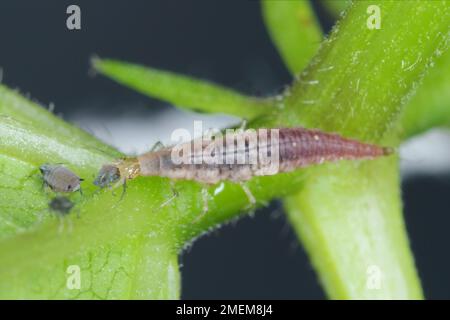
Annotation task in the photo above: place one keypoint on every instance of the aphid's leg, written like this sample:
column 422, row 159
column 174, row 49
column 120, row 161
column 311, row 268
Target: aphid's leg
column 81, row 191
column 205, row 200
column 61, row 225
column 45, row 187
column 124, row 189
column 174, row 195
column 205, row 204
column 243, row 125
column 248, row 193
column 157, row 146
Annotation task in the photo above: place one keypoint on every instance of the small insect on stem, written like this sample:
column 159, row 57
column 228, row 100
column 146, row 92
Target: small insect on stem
column 59, row 178
column 238, row 156
column 61, row 206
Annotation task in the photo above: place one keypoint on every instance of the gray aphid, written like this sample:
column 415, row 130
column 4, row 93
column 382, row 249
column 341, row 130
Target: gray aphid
column 59, row 178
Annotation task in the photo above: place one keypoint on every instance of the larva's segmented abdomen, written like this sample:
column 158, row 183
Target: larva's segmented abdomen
column 301, row 147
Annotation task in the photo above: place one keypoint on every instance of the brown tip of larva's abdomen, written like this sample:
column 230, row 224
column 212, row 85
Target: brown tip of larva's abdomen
column 388, row 151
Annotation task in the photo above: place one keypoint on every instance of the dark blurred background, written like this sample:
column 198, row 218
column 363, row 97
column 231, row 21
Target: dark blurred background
column 225, row 42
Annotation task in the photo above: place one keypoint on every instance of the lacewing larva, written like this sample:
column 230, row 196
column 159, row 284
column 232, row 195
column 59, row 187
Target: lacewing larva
column 59, row 178
column 288, row 148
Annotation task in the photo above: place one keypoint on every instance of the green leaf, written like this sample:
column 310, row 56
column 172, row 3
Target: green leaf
column 13, row 105
column 35, row 254
column 183, row 91
column 125, row 249
column 294, row 30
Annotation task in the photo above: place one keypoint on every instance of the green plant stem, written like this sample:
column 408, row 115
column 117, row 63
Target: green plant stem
column 352, row 227
column 294, row 30
column 348, row 216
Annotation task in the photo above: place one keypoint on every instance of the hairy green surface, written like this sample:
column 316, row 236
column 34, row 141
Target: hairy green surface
column 430, row 106
column 362, row 83
column 125, row 249
column 335, row 7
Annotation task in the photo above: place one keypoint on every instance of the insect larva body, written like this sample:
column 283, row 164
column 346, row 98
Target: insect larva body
column 59, row 178
column 286, row 149
column 295, row 148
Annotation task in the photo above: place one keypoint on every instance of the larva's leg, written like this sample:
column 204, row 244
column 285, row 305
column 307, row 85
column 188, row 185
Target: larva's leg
column 205, row 200
column 157, row 146
column 248, row 193
column 174, row 195
column 205, row 204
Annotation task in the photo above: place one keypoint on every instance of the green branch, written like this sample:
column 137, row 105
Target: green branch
column 183, row 91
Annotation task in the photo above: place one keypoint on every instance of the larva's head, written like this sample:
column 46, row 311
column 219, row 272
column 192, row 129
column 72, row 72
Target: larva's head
column 108, row 175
